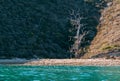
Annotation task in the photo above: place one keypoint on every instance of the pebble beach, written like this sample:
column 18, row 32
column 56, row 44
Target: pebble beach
column 78, row 62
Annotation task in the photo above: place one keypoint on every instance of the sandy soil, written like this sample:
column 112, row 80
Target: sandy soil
column 81, row 62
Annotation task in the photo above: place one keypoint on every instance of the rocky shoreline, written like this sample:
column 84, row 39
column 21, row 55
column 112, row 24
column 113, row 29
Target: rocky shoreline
column 78, row 62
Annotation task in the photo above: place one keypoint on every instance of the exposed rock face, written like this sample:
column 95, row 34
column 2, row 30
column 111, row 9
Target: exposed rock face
column 107, row 40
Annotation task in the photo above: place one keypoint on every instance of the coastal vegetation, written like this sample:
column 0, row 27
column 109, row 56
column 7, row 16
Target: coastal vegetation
column 39, row 29
column 42, row 28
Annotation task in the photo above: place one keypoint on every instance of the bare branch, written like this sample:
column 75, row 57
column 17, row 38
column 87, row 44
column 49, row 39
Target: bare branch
column 75, row 20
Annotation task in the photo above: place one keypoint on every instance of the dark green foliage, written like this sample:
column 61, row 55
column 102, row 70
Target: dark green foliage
column 38, row 27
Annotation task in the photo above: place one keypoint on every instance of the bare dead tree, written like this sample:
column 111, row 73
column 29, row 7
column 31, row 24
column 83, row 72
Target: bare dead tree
column 75, row 20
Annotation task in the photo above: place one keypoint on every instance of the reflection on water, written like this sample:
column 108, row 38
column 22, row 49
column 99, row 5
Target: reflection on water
column 59, row 73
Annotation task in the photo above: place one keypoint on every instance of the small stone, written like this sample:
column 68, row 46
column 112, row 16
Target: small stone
column 109, row 4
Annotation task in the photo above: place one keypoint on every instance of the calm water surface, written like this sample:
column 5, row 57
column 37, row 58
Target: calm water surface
column 59, row 73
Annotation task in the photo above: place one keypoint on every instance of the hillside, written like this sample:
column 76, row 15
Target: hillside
column 106, row 43
column 40, row 28
column 34, row 28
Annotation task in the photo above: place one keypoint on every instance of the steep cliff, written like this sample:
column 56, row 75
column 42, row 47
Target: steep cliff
column 106, row 43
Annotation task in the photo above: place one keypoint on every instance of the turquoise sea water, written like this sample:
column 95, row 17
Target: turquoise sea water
column 59, row 73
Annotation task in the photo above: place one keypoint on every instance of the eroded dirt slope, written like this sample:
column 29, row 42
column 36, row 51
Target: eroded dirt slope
column 107, row 41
